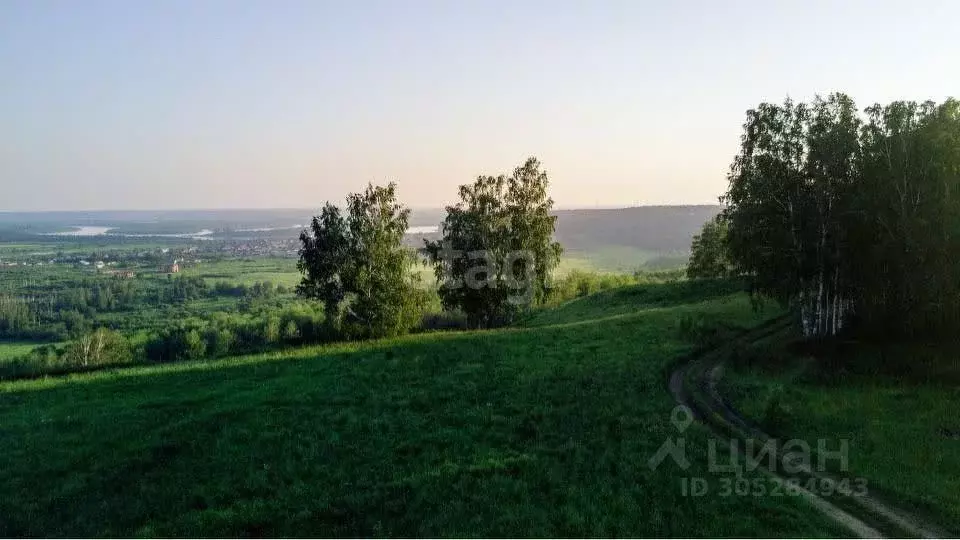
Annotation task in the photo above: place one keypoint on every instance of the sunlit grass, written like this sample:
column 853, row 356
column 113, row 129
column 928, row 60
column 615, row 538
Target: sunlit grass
column 13, row 349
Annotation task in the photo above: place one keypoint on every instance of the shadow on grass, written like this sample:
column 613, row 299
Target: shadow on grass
column 915, row 363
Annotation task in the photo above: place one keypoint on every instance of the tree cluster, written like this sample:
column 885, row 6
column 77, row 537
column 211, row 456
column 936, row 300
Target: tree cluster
column 850, row 217
column 495, row 256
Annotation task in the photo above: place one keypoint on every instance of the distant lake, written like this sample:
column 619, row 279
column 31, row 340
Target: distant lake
column 79, row 230
column 86, row 230
column 424, row 229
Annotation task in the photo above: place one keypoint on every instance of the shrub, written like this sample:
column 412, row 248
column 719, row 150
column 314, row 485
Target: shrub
column 219, row 341
column 175, row 344
column 578, row 283
column 100, row 347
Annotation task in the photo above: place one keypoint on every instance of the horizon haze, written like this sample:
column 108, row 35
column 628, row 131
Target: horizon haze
column 256, row 105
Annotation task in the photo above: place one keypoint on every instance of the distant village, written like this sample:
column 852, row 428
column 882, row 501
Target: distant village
column 117, row 260
column 124, row 263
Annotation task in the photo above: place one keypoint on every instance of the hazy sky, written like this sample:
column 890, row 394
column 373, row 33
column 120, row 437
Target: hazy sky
column 247, row 104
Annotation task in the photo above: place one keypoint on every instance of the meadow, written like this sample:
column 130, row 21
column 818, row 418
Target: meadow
column 247, row 270
column 540, row 430
column 13, row 349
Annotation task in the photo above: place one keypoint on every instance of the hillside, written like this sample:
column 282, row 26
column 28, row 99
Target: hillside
column 544, row 430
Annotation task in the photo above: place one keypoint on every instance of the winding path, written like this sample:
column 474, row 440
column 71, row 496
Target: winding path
column 693, row 384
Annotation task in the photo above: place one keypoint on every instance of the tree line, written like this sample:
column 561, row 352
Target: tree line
column 69, row 308
column 851, row 218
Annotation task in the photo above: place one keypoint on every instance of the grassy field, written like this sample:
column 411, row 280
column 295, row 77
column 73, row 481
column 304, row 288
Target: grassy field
column 894, row 403
column 279, row 271
column 612, row 258
column 544, row 430
column 12, row 349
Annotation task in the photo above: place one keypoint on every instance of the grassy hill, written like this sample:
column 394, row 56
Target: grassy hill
column 542, row 430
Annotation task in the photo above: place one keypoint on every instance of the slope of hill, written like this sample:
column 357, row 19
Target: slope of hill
column 544, row 430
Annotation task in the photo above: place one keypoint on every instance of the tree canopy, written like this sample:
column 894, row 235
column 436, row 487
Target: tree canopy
column 497, row 251
column 708, row 251
column 358, row 267
column 851, row 217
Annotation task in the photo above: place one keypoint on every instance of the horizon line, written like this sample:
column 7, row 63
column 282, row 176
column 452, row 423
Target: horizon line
column 309, row 209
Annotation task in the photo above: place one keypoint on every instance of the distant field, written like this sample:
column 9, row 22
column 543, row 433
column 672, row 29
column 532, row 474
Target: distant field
column 612, row 258
column 279, row 271
column 12, row 349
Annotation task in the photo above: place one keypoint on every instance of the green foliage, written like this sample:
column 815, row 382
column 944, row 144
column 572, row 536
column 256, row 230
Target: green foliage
column 258, row 290
column 181, row 342
column 358, row 267
column 324, row 256
column 577, row 284
column 776, row 415
column 851, row 219
column 708, row 251
column 224, row 334
column 219, row 341
column 184, row 289
column 497, row 252
column 39, row 360
column 445, row 320
column 908, row 235
column 101, row 347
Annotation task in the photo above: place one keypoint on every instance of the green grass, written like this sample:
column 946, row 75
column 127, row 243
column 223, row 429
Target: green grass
column 13, row 349
column 625, row 301
column 538, row 431
column 895, row 404
column 279, row 271
column 613, row 258
column 569, row 264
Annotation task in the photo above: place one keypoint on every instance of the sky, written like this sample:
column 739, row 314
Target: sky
column 167, row 104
